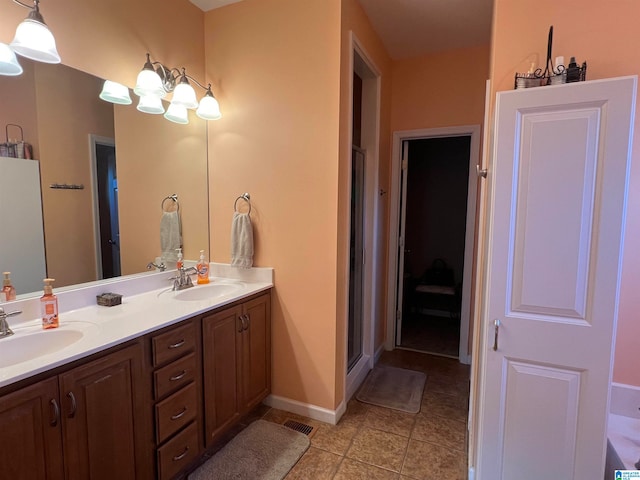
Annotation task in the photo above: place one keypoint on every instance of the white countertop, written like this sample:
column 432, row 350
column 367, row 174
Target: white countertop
column 104, row 327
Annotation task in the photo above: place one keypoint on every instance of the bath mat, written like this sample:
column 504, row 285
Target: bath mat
column 395, row 388
column 262, row 451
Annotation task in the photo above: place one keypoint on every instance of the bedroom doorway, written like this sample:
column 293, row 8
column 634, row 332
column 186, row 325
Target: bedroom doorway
column 434, row 202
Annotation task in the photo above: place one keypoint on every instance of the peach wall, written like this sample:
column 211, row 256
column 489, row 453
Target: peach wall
column 277, row 66
column 440, row 90
column 355, row 20
column 109, row 39
column 606, row 36
column 157, row 159
column 64, row 125
column 18, row 100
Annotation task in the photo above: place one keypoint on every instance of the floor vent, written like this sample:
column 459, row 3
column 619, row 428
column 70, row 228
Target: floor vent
column 299, row 427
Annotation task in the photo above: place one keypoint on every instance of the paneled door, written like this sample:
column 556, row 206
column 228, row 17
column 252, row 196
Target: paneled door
column 556, row 218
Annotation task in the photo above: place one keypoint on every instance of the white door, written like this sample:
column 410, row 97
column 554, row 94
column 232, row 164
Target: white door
column 404, row 170
column 556, row 216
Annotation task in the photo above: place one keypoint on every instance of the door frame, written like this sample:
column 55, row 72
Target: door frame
column 371, row 91
column 399, row 137
column 93, row 141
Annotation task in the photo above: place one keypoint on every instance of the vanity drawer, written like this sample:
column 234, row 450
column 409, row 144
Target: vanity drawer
column 173, row 344
column 177, row 453
column 174, row 375
column 175, row 412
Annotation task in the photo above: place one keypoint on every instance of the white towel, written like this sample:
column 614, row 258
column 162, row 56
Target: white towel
column 170, row 236
column 241, row 240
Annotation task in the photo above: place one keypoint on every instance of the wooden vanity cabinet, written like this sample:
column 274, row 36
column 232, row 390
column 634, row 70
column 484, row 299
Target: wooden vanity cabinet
column 176, row 371
column 30, row 433
column 236, row 363
column 78, row 424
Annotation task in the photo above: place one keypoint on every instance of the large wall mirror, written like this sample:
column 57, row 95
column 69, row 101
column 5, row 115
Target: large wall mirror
column 79, row 140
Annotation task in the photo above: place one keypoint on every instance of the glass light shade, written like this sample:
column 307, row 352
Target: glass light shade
column 177, row 114
column 184, row 95
column 209, row 109
column 150, row 104
column 149, row 83
column 115, row 92
column 34, row 40
column 8, row 62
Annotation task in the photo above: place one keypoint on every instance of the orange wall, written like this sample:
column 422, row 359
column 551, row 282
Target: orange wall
column 277, row 66
column 156, row 159
column 440, row 90
column 64, row 125
column 606, row 36
column 354, row 19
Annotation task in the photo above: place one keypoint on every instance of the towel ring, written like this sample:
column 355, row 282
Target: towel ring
column 173, row 197
column 247, row 198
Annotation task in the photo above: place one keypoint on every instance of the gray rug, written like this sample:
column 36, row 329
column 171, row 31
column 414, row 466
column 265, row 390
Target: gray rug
column 395, row 388
column 262, row 451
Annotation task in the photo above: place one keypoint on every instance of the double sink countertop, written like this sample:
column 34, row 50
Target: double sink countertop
column 148, row 304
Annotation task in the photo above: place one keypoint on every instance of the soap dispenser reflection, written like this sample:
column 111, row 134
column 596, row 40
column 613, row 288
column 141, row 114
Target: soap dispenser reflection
column 8, row 292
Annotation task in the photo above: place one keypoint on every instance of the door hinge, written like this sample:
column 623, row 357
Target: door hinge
column 398, row 314
column 405, row 164
column 401, row 242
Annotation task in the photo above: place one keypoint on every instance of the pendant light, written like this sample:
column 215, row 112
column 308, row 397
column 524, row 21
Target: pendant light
column 209, row 108
column 115, row 92
column 8, row 62
column 151, row 104
column 184, row 94
column 149, row 82
column 177, row 114
column 33, row 38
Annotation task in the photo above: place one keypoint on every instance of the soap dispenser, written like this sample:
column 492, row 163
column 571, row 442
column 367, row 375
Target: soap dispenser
column 203, row 269
column 49, row 306
column 8, row 292
column 179, row 263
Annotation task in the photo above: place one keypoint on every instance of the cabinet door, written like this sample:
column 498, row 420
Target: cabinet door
column 98, row 417
column 256, row 352
column 30, row 434
column 221, row 336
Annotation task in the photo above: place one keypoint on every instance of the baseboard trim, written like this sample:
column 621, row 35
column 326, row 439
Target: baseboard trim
column 625, row 400
column 306, row 409
column 378, row 354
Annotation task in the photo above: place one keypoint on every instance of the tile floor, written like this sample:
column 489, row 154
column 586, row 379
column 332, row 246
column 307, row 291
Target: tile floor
column 376, row 443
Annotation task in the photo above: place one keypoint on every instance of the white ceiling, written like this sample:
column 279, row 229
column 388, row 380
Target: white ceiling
column 410, row 28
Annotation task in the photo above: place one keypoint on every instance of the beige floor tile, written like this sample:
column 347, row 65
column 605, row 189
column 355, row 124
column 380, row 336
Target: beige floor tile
column 335, row 439
column 315, row 464
column 443, row 405
column 432, row 462
column 448, row 385
column 375, row 447
column 388, row 420
column 355, row 414
column 440, row 431
column 352, row 470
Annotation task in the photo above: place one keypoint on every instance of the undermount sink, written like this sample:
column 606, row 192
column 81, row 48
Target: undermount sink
column 28, row 343
column 206, row 292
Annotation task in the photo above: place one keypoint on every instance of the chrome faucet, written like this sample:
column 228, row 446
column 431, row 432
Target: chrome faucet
column 162, row 267
column 183, row 280
column 5, row 331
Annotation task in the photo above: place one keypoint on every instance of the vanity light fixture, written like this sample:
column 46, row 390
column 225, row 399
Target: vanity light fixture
column 33, row 38
column 115, row 92
column 8, row 62
column 155, row 81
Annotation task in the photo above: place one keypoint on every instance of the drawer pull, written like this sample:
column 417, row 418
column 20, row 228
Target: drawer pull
column 179, row 415
column 56, row 412
column 74, row 405
column 182, row 455
column 179, row 376
column 178, row 344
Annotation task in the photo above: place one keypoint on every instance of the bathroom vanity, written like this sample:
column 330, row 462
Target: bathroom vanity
column 155, row 382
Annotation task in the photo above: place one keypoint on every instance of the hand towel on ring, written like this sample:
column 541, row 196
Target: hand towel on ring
column 241, row 240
